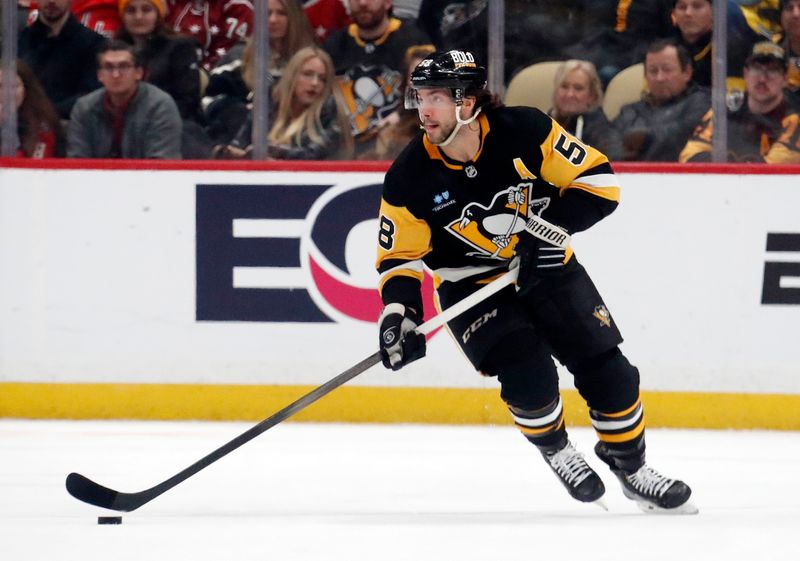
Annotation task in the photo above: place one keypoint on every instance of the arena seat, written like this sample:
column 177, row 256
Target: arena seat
column 626, row 87
column 533, row 86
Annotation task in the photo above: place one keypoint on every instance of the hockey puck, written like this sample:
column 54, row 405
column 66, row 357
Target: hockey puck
column 109, row 520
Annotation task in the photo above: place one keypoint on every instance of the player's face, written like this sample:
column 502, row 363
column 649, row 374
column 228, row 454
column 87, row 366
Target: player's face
column 790, row 18
column 665, row 77
column 117, row 73
column 437, row 113
column 369, row 14
column 765, row 82
column 310, row 82
column 693, row 17
column 278, row 20
column 574, row 94
column 140, row 18
column 52, row 11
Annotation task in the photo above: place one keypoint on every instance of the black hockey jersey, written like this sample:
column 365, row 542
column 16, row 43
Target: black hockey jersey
column 370, row 73
column 461, row 219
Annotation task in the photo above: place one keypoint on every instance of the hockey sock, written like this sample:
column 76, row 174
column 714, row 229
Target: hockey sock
column 621, row 436
column 542, row 427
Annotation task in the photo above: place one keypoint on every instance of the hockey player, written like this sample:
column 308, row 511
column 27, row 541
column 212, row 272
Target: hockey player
column 456, row 201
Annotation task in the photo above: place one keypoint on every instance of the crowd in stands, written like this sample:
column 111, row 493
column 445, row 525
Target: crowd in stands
column 174, row 79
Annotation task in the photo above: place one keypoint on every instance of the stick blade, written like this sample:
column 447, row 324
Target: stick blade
column 86, row 490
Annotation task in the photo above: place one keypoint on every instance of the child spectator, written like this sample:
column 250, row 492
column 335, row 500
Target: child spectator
column 308, row 122
column 39, row 129
column 126, row 118
column 217, row 25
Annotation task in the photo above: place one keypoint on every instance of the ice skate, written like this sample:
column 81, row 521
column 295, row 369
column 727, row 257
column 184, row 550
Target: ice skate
column 581, row 481
column 651, row 491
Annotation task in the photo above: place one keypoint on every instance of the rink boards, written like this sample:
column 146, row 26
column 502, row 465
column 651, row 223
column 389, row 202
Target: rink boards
column 227, row 292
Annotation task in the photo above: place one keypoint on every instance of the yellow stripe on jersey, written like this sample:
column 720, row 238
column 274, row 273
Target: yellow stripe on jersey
column 403, row 241
column 566, row 161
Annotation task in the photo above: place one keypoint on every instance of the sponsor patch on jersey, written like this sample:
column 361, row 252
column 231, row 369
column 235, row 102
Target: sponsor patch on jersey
column 442, row 200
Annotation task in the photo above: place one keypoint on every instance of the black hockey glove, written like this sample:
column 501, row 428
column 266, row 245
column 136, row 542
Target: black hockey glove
column 399, row 343
column 536, row 259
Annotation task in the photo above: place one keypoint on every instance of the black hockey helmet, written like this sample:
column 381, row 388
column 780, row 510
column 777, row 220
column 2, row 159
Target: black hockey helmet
column 455, row 70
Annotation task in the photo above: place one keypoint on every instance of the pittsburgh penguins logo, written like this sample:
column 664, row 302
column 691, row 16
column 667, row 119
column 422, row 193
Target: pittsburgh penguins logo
column 492, row 229
column 370, row 94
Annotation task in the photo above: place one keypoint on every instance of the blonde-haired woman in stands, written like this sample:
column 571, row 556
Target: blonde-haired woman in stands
column 577, row 103
column 308, row 121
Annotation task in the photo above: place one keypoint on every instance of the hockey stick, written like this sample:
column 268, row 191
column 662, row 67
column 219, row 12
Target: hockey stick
column 86, row 490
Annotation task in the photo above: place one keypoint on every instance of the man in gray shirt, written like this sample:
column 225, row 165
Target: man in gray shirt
column 127, row 118
column 656, row 128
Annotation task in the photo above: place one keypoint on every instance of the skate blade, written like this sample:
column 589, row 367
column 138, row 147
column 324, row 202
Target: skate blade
column 650, row 508
column 600, row 503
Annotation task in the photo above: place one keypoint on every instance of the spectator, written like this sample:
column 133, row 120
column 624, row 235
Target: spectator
column 790, row 20
column 615, row 33
column 127, row 118
column 289, row 31
column 403, row 124
column 326, row 16
column 170, row 62
column 229, row 93
column 101, row 16
column 369, row 58
column 308, row 121
column 62, row 54
column 761, row 126
column 217, row 25
column 657, row 127
column 24, row 14
column 693, row 25
column 39, row 129
column 456, row 25
column 228, row 96
column 577, row 101
column 694, row 21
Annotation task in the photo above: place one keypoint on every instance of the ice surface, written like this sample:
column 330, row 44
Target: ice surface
column 382, row 493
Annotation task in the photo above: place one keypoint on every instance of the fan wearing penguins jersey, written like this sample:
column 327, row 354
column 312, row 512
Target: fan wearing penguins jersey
column 456, row 202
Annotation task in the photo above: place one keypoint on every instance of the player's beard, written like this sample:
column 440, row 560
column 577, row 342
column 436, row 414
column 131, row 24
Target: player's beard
column 441, row 134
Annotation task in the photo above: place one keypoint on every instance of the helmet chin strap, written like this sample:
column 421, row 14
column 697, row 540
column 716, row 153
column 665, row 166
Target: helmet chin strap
column 459, row 123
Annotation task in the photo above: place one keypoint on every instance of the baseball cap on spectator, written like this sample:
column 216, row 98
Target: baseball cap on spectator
column 766, row 51
column 160, row 5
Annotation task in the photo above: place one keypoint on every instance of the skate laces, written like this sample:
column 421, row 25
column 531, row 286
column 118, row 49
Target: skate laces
column 569, row 464
column 649, row 482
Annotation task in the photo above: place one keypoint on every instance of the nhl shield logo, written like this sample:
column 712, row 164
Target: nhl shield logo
column 601, row 313
column 470, row 171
